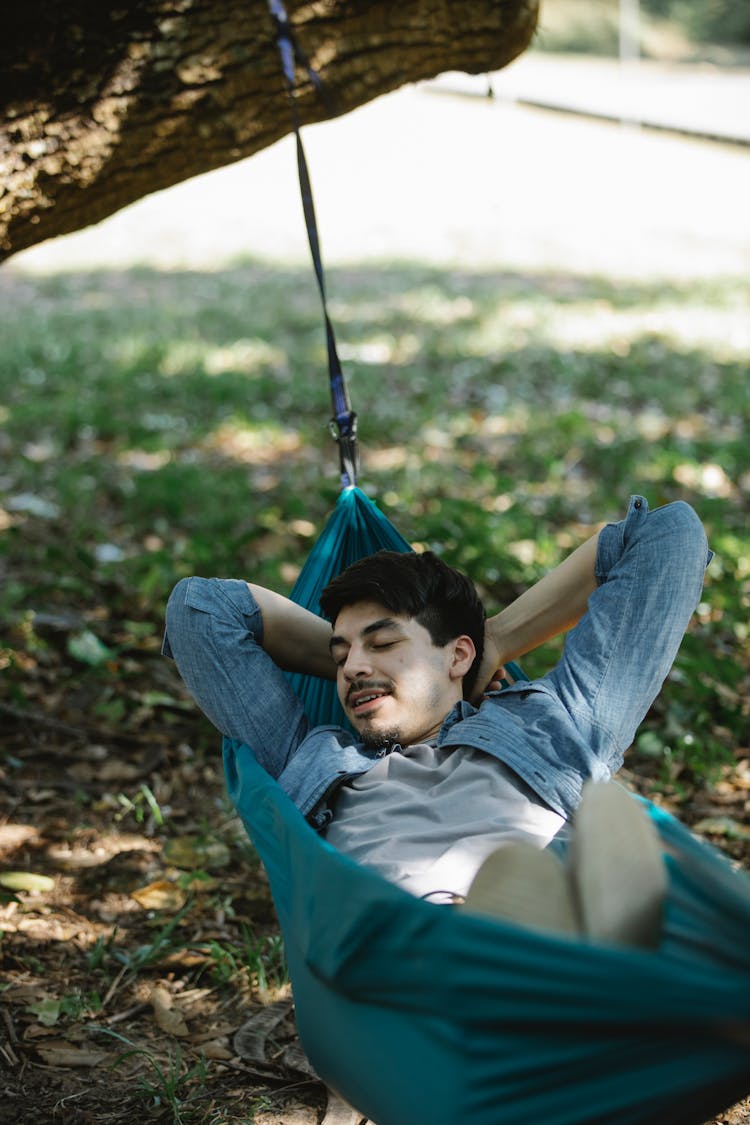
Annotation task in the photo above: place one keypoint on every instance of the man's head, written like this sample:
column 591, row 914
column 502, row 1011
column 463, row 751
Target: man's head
column 408, row 640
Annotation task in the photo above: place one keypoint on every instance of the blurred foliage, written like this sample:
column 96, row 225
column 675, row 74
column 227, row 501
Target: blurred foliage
column 713, row 21
column 160, row 424
column 669, row 28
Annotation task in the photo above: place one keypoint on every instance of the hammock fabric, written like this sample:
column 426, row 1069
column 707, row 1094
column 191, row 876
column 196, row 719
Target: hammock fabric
column 417, row 1013
column 356, row 528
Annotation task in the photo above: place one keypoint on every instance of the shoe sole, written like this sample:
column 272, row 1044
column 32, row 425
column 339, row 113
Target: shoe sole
column 617, row 868
column 521, row 884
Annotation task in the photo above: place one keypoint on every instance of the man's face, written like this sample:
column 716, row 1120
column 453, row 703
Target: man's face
column 394, row 684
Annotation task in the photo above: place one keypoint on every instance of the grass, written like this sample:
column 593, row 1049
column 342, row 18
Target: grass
column 173, row 423
column 167, row 1084
column 158, row 424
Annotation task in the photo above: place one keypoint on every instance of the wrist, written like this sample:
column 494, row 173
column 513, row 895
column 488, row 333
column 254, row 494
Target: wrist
column 497, row 647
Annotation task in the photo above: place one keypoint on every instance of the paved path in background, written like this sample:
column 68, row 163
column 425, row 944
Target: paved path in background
column 463, row 181
column 702, row 100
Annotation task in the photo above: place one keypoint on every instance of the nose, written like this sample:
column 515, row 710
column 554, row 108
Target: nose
column 357, row 665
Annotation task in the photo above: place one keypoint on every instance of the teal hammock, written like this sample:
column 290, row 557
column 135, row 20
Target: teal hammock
column 422, row 1015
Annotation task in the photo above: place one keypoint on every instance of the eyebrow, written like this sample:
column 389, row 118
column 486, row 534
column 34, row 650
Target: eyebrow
column 375, row 627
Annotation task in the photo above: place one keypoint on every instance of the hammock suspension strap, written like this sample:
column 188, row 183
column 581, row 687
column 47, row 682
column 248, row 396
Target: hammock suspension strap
column 343, row 424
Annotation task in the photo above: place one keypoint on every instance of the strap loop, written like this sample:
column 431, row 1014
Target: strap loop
column 344, row 432
column 343, row 425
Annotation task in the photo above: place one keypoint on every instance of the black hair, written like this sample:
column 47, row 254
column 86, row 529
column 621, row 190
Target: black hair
column 443, row 600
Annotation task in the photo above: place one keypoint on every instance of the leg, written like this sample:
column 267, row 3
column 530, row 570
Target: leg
column 650, row 572
column 214, row 633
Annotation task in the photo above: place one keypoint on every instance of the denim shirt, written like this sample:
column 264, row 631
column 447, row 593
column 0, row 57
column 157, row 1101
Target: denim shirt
column 575, row 723
column 525, row 726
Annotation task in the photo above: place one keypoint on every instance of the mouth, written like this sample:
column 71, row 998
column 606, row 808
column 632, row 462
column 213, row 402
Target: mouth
column 366, row 701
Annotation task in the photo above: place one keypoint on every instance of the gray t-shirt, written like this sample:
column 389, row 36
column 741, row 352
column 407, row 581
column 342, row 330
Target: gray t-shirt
column 426, row 817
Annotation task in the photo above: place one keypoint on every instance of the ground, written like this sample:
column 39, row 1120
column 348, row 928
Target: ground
column 143, row 975
column 151, row 954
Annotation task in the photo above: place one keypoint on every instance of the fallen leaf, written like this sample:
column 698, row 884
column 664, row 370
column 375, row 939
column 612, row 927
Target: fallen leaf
column 723, row 826
column 161, row 699
column 86, row 647
column 115, row 770
column 196, row 998
column 168, row 1018
column 186, row 958
column 36, row 1031
column 191, row 852
column 161, row 895
column 220, row 1032
column 14, row 835
column 21, row 991
column 250, row 1040
column 294, row 1058
column 71, row 1056
column 26, row 881
column 82, row 772
column 198, row 881
column 339, row 1112
column 46, row 1011
column 217, row 1049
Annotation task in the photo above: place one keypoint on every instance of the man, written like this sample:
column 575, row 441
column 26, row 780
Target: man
column 434, row 785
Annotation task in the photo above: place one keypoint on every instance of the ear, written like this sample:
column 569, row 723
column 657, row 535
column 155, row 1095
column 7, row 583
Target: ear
column 462, row 657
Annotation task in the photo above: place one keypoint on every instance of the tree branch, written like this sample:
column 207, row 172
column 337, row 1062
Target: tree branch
column 104, row 103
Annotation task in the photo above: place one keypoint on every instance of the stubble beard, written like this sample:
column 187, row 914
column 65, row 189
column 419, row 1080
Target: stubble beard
column 380, row 739
column 371, row 738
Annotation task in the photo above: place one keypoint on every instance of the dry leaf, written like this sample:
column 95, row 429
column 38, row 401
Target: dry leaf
column 198, row 882
column 250, row 1040
column 294, row 1058
column 339, row 1112
column 168, row 1018
column 26, row 881
column 193, row 852
column 723, row 826
column 115, row 770
column 37, row 1031
column 71, row 1056
column 14, row 835
column 196, row 997
column 23, row 991
column 47, row 1011
column 185, row 958
column 82, row 772
column 219, row 1031
column 217, row 1049
column 161, row 895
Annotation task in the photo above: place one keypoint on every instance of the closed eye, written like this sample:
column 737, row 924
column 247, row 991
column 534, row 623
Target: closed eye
column 339, row 657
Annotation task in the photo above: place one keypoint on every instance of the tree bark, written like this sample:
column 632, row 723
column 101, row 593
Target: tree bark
column 106, row 102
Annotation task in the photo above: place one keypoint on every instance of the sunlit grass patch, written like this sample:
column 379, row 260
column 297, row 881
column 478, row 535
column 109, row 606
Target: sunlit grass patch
column 176, row 423
column 159, row 425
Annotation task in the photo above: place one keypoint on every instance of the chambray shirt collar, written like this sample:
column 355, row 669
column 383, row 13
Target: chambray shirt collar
column 461, row 710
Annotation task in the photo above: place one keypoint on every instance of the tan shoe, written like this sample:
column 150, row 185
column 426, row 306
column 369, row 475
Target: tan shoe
column 617, row 868
column 521, row 884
